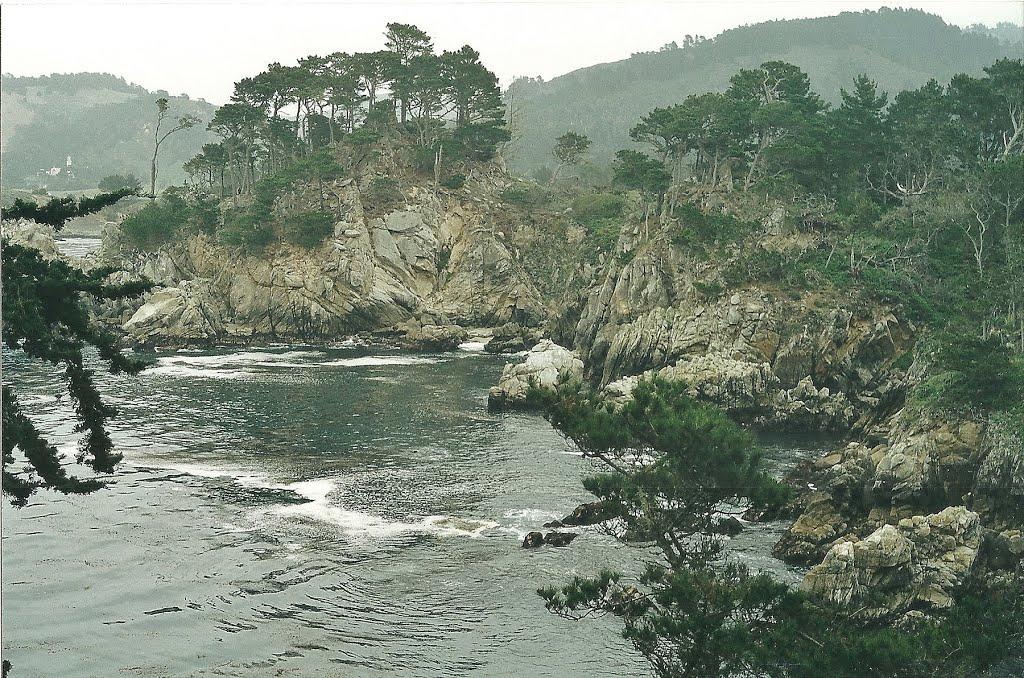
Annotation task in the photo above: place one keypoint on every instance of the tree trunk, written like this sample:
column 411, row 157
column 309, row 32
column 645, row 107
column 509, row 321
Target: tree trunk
column 152, row 173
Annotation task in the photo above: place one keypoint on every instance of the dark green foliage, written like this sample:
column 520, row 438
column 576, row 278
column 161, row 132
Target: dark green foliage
column 601, row 213
column 526, row 194
column 443, row 108
column 307, row 229
column 978, row 374
column 59, row 211
column 690, row 622
column 45, row 316
column 595, row 206
column 121, row 182
column 671, row 462
column 245, row 229
column 479, row 142
column 697, row 230
column 454, row 182
column 383, row 193
column 161, row 221
column 672, row 465
column 637, row 171
column 900, row 48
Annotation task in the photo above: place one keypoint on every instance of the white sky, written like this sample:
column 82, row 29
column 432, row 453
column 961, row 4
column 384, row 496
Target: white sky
column 201, row 48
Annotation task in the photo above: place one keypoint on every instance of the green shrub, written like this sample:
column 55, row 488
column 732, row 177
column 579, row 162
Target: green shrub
column 710, row 289
column 206, row 215
column 158, row 223
column 316, row 168
column 603, row 234
column 307, row 229
column 698, row 230
column 118, row 182
column 243, row 228
column 973, row 373
column 455, row 181
column 597, row 206
column 525, row 194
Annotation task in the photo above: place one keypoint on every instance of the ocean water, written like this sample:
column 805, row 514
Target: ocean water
column 312, row 511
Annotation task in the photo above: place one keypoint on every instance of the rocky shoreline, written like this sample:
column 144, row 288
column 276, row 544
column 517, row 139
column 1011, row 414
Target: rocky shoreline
column 908, row 508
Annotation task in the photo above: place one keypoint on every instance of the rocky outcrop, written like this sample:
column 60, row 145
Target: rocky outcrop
column 429, row 333
column 32, row 235
column 546, row 365
column 929, row 461
column 558, row 539
column 439, row 254
column 918, row 564
column 813, row 533
column 768, row 357
column 583, row 515
column 922, row 464
column 513, row 338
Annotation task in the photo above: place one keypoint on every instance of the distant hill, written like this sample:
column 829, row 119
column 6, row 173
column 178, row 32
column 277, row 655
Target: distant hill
column 898, row 48
column 101, row 122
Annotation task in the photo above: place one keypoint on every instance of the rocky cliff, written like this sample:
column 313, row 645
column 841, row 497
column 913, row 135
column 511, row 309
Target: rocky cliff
column 438, row 253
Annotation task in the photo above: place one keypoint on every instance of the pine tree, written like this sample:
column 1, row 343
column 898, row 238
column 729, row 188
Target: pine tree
column 45, row 316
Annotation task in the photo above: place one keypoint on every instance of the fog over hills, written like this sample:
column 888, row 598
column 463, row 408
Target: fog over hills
column 900, row 49
column 103, row 122
column 99, row 121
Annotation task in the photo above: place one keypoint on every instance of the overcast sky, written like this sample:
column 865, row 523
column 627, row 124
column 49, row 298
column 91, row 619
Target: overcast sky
column 201, row 48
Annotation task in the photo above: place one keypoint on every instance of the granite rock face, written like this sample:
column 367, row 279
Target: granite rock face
column 439, row 253
column 769, row 359
column 919, row 563
column 921, row 464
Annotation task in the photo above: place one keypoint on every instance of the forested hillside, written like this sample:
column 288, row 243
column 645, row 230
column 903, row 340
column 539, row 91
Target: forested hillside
column 902, row 49
column 101, row 121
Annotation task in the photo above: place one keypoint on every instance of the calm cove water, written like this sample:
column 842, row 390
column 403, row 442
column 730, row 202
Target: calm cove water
column 311, row 511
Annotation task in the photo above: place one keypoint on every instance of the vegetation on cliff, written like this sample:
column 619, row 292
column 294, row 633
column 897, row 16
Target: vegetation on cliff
column 323, row 120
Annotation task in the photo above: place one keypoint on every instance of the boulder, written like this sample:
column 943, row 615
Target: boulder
column 434, row 337
column 559, row 538
column 546, row 365
column 533, row 540
column 928, row 459
column 590, row 513
column 730, row 526
column 811, row 535
column 182, row 314
column 33, row 236
column 512, row 338
column 735, row 385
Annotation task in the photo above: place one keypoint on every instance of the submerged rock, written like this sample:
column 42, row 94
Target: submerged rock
column 533, row 540
column 559, row 539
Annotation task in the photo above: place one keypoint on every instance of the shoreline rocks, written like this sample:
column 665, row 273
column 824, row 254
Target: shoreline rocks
column 918, row 564
column 546, row 365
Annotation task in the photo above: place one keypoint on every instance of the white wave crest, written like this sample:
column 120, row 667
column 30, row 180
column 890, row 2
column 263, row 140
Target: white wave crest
column 374, row 361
